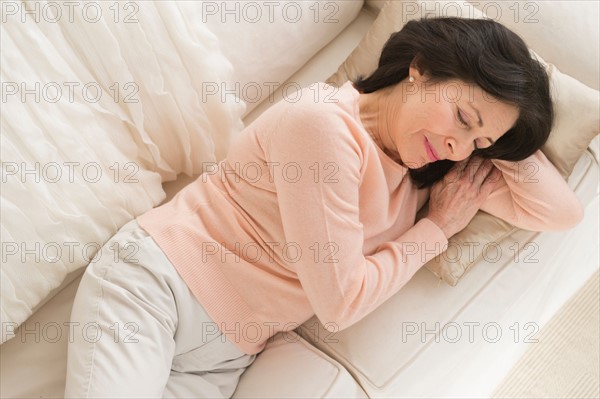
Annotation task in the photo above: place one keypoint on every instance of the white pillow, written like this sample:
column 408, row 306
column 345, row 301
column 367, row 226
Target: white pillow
column 267, row 42
column 75, row 168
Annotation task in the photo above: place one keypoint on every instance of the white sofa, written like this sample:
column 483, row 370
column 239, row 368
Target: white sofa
column 430, row 339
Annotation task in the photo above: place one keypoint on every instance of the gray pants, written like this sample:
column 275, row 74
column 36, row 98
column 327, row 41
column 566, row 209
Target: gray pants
column 145, row 334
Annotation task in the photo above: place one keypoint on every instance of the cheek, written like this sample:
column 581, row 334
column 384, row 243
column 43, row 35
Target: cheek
column 428, row 118
column 438, row 118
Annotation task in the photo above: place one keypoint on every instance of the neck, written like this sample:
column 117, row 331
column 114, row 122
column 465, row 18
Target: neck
column 373, row 114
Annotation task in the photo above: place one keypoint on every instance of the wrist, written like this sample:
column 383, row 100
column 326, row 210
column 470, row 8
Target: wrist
column 442, row 226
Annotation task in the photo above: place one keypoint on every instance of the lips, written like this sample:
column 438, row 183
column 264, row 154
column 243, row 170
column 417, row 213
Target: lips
column 430, row 151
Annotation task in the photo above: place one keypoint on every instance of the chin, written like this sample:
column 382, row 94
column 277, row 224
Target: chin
column 439, row 163
column 416, row 166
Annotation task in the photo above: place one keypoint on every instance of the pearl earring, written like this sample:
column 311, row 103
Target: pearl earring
column 411, row 79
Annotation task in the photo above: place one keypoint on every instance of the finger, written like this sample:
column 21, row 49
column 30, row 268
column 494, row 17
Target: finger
column 463, row 164
column 476, row 160
column 495, row 175
column 454, row 173
column 458, row 169
column 473, row 167
column 490, row 182
column 484, row 168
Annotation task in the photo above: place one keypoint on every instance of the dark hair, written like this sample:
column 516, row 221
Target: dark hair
column 477, row 51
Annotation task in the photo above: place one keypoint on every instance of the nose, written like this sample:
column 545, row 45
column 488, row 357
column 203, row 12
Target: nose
column 458, row 149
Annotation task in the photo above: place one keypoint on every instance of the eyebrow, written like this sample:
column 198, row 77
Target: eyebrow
column 480, row 122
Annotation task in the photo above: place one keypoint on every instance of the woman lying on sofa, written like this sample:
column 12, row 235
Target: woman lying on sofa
column 313, row 212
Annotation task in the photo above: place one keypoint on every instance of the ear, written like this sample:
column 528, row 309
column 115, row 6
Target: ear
column 416, row 71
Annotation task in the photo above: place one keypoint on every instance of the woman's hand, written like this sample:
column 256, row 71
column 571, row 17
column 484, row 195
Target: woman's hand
column 456, row 198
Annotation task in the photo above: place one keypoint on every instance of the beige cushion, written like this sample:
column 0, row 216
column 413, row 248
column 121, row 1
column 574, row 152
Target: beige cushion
column 577, row 121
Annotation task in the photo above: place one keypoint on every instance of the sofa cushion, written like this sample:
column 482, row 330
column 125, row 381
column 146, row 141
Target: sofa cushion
column 290, row 367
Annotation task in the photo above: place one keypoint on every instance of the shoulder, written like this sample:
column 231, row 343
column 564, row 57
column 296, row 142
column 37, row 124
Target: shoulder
column 319, row 101
column 317, row 131
column 317, row 114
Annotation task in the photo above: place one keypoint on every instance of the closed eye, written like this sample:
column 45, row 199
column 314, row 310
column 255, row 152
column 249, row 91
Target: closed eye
column 461, row 119
column 483, row 143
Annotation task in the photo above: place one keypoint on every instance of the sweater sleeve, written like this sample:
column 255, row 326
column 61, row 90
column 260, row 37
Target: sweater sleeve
column 532, row 195
column 320, row 215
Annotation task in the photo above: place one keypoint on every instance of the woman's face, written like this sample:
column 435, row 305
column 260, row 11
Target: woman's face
column 430, row 122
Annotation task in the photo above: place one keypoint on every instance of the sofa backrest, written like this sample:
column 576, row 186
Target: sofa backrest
column 564, row 33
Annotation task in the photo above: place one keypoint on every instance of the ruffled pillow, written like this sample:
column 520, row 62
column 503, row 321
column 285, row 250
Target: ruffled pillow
column 97, row 112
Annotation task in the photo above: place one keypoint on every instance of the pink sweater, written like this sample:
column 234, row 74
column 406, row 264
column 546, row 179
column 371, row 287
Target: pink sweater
column 306, row 216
